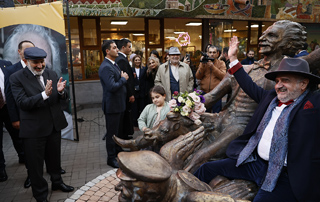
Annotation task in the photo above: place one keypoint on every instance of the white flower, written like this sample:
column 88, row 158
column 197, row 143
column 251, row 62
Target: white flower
column 172, row 103
column 180, row 99
column 189, row 103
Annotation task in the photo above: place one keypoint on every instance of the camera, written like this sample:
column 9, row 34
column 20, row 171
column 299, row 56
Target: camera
column 205, row 58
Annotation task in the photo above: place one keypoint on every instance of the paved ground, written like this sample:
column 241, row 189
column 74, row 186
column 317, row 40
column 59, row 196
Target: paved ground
column 84, row 162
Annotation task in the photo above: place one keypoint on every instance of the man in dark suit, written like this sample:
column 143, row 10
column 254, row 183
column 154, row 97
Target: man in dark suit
column 302, row 52
column 126, row 126
column 5, row 119
column 37, row 92
column 113, row 82
column 279, row 149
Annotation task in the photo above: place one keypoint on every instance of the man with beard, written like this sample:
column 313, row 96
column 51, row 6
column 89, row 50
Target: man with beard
column 282, row 38
column 37, row 92
column 174, row 75
column 250, row 58
column 274, row 150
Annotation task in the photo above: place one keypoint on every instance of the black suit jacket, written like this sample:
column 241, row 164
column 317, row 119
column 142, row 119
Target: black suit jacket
column 114, row 88
column 303, row 160
column 125, row 66
column 141, row 81
column 11, row 104
column 38, row 117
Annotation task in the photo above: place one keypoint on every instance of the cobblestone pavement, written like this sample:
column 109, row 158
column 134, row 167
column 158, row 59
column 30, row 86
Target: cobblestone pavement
column 84, row 161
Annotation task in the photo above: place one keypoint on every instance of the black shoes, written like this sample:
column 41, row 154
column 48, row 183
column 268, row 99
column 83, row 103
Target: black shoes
column 113, row 162
column 3, row 175
column 62, row 171
column 63, row 187
column 27, row 183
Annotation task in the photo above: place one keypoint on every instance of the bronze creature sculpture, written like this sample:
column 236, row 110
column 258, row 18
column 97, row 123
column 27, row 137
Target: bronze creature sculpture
column 147, row 176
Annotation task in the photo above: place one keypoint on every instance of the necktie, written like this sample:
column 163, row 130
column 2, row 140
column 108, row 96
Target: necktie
column 115, row 64
column 286, row 103
column 1, row 100
column 40, row 82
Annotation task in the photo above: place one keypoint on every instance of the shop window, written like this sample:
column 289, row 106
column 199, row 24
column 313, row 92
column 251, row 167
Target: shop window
column 91, row 63
column 75, row 48
column 154, row 31
column 137, row 39
column 89, row 32
column 186, row 34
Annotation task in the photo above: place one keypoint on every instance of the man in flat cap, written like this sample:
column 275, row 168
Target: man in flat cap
column 174, row 75
column 37, row 92
column 279, row 148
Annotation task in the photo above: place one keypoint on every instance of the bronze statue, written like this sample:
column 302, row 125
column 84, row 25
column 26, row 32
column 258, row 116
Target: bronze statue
column 282, row 38
column 146, row 176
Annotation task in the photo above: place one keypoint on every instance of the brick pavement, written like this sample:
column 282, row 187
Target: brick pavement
column 84, row 162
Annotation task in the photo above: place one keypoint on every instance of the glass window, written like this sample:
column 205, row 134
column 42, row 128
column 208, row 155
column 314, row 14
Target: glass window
column 154, row 32
column 241, row 31
column 89, row 32
column 137, row 39
column 75, row 48
column 184, row 35
column 132, row 24
column 91, row 63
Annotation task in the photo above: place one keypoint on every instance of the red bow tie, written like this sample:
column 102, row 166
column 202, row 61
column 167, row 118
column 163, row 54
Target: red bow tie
column 284, row 103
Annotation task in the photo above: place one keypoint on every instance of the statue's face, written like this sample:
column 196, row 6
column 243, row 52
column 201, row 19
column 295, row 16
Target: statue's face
column 139, row 191
column 271, row 39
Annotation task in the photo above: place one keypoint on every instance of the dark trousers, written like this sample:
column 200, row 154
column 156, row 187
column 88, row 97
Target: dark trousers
column 137, row 107
column 113, row 121
column 216, row 108
column 37, row 150
column 254, row 171
column 14, row 133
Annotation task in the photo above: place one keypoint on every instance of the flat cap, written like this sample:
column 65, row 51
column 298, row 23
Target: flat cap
column 146, row 166
column 34, row 53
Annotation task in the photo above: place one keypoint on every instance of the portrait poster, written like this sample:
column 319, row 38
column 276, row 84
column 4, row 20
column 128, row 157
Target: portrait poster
column 43, row 25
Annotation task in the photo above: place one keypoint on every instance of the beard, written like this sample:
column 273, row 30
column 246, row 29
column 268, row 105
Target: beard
column 39, row 73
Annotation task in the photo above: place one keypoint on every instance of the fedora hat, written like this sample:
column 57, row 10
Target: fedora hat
column 296, row 66
column 174, row 51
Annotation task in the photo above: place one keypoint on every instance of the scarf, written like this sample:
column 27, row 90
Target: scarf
column 279, row 142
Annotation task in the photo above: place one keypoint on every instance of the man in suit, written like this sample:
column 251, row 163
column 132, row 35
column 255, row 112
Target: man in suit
column 302, row 52
column 279, row 149
column 37, row 92
column 12, row 107
column 5, row 119
column 113, row 81
column 126, row 127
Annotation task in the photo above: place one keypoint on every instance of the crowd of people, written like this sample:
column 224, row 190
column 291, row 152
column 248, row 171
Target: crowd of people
column 135, row 95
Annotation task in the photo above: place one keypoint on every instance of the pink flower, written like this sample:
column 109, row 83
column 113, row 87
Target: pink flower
column 172, row 103
column 194, row 116
column 200, row 108
column 195, row 98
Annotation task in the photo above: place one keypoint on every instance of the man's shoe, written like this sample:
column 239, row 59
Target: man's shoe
column 3, row 175
column 113, row 163
column 63, row 187
column 62, row 171
column 27, row 183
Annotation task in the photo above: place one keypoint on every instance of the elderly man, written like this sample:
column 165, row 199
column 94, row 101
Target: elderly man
column 282, row 38
column 37, row 92
column 174, row 75
column 210, row 73
column 274, row 150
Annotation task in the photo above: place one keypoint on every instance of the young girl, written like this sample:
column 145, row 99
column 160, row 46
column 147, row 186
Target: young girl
column 153, row 113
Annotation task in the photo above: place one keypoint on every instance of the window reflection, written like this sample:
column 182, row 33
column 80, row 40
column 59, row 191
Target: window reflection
column 91, row 63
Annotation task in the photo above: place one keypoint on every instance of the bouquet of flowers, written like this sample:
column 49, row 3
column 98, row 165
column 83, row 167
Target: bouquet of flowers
column 188, row 104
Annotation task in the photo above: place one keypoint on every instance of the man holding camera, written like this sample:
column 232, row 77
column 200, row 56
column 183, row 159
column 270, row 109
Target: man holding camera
column 210, row 72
